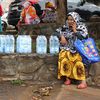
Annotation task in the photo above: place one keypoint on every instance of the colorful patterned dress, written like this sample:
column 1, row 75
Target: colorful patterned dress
column 70, row 62
column 29, row 15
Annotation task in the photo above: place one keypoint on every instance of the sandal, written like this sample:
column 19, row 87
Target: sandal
column 82, row 86
column 67, row 82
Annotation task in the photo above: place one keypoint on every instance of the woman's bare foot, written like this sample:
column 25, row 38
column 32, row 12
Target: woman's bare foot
column 67, row 82
column 82, row 85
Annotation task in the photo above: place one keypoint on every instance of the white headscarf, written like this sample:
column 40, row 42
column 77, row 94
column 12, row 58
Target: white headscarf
column 77, row 18
column 26, row 4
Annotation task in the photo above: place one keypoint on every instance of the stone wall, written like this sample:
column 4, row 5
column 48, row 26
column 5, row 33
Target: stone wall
column 94, row 27
column 94, row 74
column 40, row 68
column 28, row 67
column 94, row 30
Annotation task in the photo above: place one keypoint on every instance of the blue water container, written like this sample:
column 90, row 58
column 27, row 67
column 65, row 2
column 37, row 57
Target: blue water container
column 54, row 44
column 2, row 43
column 41, row 44
column 24, row 44
column 9, row 44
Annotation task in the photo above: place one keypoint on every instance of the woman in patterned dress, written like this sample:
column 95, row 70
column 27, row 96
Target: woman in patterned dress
column 70, row 62
column 28, row 14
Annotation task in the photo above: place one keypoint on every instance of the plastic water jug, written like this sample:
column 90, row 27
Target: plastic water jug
column 9, row 44
column 24, row 44
column 54, row 44
column 41, row 44
column 2, row 43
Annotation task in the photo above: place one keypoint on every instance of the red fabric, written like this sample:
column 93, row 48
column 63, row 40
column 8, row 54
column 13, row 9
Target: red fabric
column 1, row 11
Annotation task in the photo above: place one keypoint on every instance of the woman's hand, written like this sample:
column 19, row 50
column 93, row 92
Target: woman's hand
column 74, row 27
column 63, row 40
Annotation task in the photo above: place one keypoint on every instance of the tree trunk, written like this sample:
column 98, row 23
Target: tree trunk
column 62, row 11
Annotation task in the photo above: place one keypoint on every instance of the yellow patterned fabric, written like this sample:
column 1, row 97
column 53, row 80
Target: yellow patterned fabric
column 70, row 65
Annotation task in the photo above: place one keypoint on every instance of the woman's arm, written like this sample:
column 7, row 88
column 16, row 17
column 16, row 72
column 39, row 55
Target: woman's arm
column 63, row 40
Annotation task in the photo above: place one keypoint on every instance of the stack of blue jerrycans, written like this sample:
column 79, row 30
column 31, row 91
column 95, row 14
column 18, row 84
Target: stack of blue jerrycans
column 41, row 44
column 54, row 44
column 24, row 44
column 7, row 44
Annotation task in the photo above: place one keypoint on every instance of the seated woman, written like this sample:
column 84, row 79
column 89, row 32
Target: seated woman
column 28, row 14
column 70, row 62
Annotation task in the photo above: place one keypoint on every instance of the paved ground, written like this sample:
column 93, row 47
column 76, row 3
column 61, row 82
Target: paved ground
column 71, row 93
column 59, row 92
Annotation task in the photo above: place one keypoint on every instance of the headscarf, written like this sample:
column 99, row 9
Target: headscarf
column 26, row 4
column 49, row 5
column 80, row 26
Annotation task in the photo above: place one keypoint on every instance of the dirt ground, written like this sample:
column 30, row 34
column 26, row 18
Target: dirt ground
column 29, row 91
